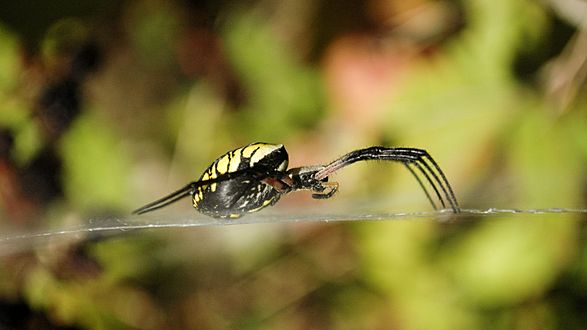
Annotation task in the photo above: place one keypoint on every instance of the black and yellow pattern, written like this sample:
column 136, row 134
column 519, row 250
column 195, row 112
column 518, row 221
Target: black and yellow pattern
column 243, row 194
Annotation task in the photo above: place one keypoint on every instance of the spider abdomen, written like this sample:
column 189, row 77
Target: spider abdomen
column 233, row 197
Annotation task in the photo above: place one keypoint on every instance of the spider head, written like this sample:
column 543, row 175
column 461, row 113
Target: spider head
column 304, row 178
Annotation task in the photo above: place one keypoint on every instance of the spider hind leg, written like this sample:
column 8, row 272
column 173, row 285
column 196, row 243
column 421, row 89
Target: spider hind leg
column 169, row 199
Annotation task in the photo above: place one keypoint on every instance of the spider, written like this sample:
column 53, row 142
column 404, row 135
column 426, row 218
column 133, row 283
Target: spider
column 250, row 178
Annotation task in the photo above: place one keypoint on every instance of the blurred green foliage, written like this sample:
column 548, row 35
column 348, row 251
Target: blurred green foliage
column 8, row 58
column 283, row 96
column 177, row 84
column 99, row 171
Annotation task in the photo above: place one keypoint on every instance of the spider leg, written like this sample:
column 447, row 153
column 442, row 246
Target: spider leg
column 171, row 198
column 451, row 195
column 282, row 184
column 407, row 164
column 427, row 171
column 418, row 157
column 422, row 157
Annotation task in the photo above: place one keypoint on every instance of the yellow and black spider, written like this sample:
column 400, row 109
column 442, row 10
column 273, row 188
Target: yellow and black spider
column 250, row 178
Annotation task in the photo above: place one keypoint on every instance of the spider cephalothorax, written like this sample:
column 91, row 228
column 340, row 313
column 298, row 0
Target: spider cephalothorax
column 250, row 178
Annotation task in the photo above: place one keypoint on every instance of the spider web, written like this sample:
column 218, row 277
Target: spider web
column 98, row 227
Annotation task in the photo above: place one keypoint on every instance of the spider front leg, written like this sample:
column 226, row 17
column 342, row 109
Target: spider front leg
column 421, row 161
